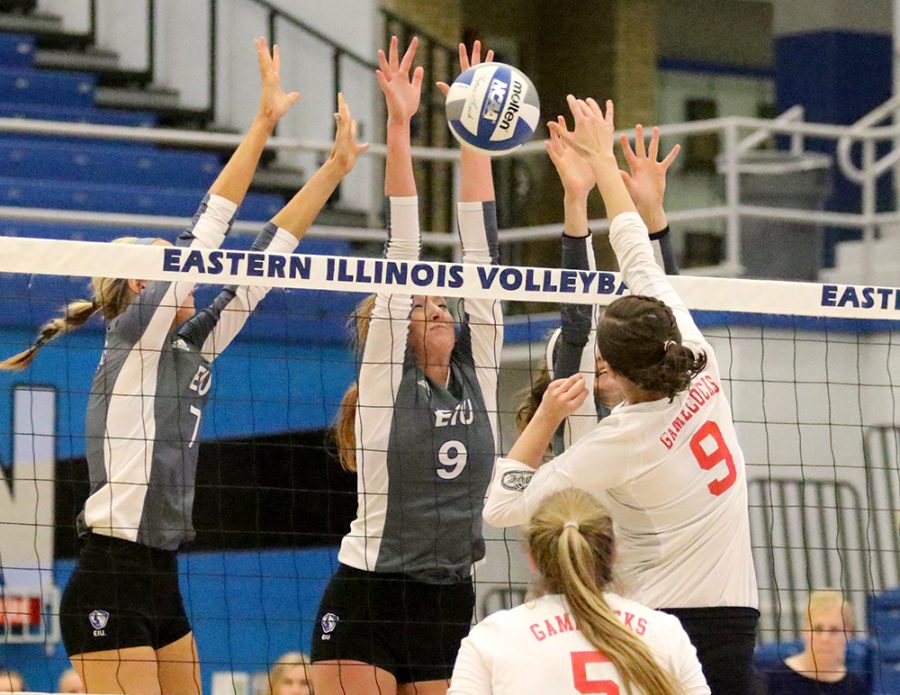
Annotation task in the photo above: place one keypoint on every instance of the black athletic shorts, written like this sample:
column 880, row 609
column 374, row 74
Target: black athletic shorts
column 724, row 638
column 408, row 628
column 121, row 594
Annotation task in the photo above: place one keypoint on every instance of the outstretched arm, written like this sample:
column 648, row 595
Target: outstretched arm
column 481, row 336
column 216, row 326
column 573, row 351
column 234, row 180
column 646, row 184
column 593, row 138
column 382, row 361
column 149, row 317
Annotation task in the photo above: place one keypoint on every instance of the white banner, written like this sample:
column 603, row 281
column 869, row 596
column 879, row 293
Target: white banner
column 349, row 274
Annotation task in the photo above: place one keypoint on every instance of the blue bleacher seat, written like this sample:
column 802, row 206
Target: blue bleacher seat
column 134, row 199
column 16, row 50
column 886, row 670
column 106, row 163
column 883, row 615
column 45, row 112
column 47, row 87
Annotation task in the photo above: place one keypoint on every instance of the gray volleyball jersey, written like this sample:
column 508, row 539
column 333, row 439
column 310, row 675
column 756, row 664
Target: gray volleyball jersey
column 146, row 403
column 425, row 453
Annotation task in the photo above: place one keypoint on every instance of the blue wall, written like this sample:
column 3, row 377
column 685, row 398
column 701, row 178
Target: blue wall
column 838, row 77
column 246, row 608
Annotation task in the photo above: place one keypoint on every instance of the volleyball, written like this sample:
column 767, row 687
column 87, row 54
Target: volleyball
column 493, row 108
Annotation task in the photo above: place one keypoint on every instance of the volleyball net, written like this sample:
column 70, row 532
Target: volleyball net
column 812, row 372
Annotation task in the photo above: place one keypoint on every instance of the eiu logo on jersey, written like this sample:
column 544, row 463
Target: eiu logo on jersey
column 329, row 622
column 462, row 414
column 98, row 621
column 516, row 480
column 202, row 381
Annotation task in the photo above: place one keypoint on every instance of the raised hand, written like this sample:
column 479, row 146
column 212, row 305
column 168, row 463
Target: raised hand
column 646, row 178
column 346, row 149
column 594, row 130
column 574, row 170
column 401, row 93
column 273, row 101
column 563, row 397
column 465, row 62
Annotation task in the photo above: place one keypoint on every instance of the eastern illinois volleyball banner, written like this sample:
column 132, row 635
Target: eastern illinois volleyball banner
column 352, row 274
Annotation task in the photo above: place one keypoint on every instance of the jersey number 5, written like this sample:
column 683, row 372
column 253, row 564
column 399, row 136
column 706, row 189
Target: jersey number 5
column 583, row 684
column 711, row 456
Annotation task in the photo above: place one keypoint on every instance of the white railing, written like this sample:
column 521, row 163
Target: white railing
column 739, row 136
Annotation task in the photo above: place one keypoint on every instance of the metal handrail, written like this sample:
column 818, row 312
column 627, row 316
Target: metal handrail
column 857, row 132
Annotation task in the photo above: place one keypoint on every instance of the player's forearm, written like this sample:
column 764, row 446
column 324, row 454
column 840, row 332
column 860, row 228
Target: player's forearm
column 476, row 180
column 301, row 211
column 398, row 174
column 575, row 209
column 612, row 188
column 234, row 179
column 534, row 440
column 654, row 217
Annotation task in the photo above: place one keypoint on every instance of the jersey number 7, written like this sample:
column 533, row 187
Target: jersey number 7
column 583, row 684
column 711, row 456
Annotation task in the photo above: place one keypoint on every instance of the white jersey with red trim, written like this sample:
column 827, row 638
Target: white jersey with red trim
column 673, row 472
column 537, row 648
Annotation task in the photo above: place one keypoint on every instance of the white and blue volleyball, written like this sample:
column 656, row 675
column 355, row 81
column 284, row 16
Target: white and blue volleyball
column 493, row 108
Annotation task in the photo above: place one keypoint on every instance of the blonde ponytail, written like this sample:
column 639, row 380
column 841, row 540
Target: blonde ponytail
column 571, row 540
column 111, row 297
column 74, row 315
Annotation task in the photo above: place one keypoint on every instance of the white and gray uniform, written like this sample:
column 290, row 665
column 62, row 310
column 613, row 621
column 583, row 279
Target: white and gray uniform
column 538, row 648
column 146, row 402
column 674, row 472
column 425, row 451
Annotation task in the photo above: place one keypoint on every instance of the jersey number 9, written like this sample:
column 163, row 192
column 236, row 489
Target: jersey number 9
column 710, row 458
column 451, row 458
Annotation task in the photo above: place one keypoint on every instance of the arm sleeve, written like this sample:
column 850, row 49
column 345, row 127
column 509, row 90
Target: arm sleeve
column 148, row 319
column 383, row 356
column 213, row 329
column 594, row 464
column 471, row 673
column 574, row 347
column 665, row 254
column 628, row 236
column 481, row 333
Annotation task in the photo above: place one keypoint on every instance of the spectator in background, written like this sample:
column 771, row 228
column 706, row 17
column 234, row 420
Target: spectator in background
column 11, row 681
column 289, row 675
column 820, row 668
column 70, row 682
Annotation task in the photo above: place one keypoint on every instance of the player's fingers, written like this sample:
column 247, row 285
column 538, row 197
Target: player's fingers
column 262, row 54
column 667, row 162
column 463, row 58
column 653, row 152
column 626, row 178
column 276, row 58
column 594, row 107
column 639, row 146
column 627, row 151
column 383, row 61
column 610, row 112
column 573, row 107
column 444, row 87
column 476, row 53
column 410, row 54
column 393, row 59
column 489, row 58
column 418, row 76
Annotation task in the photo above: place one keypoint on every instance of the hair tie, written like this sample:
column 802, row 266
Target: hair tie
column 668, row 344
column 571, row 524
